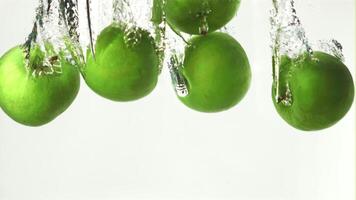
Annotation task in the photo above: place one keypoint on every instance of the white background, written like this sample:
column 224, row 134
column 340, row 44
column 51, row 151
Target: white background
column 158, row 149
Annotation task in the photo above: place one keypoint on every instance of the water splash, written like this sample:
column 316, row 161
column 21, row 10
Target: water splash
column 171, row 45
column 288, row 40
column 122, row 13
column 288, row 35
column 332, row 47
column 124, row 17
column 54, row 29
column 69, row 9
column 73, row 50
column 176, row 45
column 94, row 16
column 159, row 21
column 133, row 16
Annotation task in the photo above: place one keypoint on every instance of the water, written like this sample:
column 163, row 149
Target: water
column 289, row 39
column 176, row 43
column 138, row 14
column 332, row 47
column 178, row 80
column 172, row 48
column 160, row 27
column 134, row 15
column 68, row 28
column 71, row 28
column 54, row 35
column 131, row 15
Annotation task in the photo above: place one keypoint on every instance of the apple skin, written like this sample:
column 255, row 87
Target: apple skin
column 35, row 100
column 321, row 88
column 183, row 15
column 217, row 72
column 122, row 72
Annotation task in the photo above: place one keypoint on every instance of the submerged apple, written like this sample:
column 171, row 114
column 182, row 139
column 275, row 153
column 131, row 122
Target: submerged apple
column 126, row 65
column 315, row 92
column 200, row 16
column 217, row 73
column 33, row 93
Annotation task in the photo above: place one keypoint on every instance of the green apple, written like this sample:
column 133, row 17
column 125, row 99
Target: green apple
column 200, row 16
column 315, row 92
column 36, row 94
column 126, row 65
column 217, row 73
